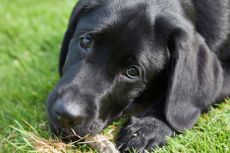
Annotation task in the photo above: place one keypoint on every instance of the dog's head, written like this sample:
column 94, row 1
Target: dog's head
column 114, row 51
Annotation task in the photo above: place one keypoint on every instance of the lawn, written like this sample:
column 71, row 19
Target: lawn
column 31, row 32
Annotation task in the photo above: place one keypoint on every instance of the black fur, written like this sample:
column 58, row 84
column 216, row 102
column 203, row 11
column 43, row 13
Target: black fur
column 182, row 51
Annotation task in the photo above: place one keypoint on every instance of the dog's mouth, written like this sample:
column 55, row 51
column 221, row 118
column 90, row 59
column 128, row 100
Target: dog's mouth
column 77, row 133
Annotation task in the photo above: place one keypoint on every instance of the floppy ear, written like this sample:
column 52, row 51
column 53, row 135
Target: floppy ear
column 195, row 77
column 82, row 7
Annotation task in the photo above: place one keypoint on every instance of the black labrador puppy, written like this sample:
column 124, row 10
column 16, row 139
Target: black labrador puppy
column 168, row 57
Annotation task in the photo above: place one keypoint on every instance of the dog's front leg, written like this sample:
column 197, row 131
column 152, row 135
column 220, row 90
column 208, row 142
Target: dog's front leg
column 143, row 133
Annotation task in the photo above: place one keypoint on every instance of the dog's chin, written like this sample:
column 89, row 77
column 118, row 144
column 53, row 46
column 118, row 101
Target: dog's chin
column 76, row 133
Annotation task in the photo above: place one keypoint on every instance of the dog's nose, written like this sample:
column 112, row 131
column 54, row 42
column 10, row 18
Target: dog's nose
column 68, row 115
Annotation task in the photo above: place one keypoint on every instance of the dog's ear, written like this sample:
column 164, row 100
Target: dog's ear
column 195, row 76
column 81, row 8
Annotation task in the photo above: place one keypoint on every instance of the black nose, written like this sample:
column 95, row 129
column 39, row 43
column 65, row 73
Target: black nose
column 68, row 115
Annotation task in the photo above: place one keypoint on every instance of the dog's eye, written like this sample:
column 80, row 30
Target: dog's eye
column 85, row 42
column 132, row 72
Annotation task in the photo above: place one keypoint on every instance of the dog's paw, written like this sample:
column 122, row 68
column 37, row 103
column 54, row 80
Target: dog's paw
column 142, row 134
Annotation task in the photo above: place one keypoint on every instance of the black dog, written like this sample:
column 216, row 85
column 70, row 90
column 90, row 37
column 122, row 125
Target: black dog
column 169, row 57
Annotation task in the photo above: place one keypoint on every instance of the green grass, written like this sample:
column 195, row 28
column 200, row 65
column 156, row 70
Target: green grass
column 30, row 36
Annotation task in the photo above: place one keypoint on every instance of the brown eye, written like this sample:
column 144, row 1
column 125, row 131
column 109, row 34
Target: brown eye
column 86, row 42
column 133, row 72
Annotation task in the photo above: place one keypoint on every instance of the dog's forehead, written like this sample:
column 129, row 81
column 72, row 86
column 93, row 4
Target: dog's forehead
column 134, row 14
column 114, row 15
